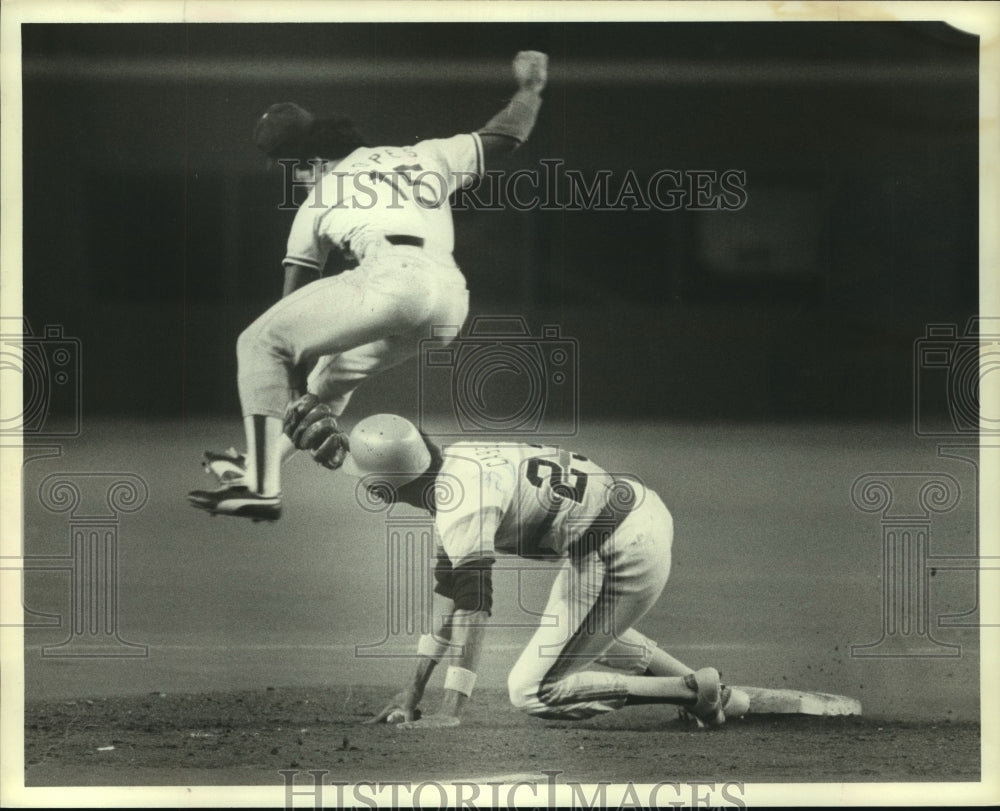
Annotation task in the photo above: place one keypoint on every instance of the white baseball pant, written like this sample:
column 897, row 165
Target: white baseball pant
column 365, row 320
column 596, row 600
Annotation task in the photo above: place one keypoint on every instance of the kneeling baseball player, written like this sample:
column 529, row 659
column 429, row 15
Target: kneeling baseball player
column 613, row 537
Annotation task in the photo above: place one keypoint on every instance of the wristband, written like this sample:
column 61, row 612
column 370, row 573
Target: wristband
column 460, row 680
column 431, row 647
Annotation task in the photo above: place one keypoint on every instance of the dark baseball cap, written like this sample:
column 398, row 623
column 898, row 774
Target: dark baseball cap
column 282, row 125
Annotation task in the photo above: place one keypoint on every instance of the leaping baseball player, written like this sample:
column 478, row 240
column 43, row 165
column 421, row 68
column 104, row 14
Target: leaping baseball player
column 613, row 537
column 387, row 209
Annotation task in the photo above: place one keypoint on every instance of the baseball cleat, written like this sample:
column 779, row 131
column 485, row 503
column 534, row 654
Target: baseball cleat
column 227, row 467
column 238, row 501
column 707, row 708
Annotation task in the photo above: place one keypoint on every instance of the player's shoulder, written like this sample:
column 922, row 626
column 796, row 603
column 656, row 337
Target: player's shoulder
column 470, row 456
column 377, row 157
column 460, row 143
column 473, row 448
column 462, row 138
column 478, row 473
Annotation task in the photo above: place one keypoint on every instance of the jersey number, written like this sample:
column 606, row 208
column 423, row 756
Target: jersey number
column 572, row 485
column 407, row 182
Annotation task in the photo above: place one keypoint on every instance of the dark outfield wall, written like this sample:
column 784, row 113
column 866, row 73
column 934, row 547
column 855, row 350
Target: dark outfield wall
column 152, row 230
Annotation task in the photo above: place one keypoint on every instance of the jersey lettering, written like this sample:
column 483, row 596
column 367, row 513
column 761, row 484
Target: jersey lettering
column 386, row 190
column 410, row 182
column 557, row 479
column 529, row 500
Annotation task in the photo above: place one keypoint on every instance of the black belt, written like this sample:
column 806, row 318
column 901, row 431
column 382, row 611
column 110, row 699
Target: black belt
column 405, row 239
column 622, row 498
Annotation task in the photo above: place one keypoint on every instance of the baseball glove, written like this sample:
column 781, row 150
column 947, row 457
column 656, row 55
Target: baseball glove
column 312, row 426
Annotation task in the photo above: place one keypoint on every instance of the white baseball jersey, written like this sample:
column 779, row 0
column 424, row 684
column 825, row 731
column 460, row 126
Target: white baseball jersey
column 385, row 190
column 518, row 499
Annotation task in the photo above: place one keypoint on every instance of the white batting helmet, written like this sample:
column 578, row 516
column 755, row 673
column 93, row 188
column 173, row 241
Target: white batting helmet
column 387, row 445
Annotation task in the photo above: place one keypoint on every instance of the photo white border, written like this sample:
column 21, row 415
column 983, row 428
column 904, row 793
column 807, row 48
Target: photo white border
column 981, row 18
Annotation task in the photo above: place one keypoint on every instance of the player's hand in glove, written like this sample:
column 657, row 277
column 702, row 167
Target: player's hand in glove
column 403, row 707
column 312, row 426
column 531, row 69
column 437, row 721
column 332, row 443
column 295, row 413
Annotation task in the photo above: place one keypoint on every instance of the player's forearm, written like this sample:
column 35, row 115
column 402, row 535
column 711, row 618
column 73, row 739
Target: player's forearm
column 510, row 128
column 434, row 646
column 467, row 631
column 422, row 675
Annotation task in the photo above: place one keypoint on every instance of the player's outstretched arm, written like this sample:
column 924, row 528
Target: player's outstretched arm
column 404, row 706
column 467, row 631
column 511, row 127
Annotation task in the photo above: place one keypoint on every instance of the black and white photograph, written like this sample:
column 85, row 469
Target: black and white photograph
column 499, row 404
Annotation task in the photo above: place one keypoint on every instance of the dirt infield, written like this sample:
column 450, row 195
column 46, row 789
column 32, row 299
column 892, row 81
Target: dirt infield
column 776, row 582
column 247, row 737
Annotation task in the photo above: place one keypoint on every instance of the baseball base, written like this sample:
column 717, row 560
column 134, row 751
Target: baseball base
column 765, row 701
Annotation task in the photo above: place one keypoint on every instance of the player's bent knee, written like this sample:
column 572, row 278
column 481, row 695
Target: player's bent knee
column 523, row 693
column 524, row 696
column 248, row 341
column 262, row 339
